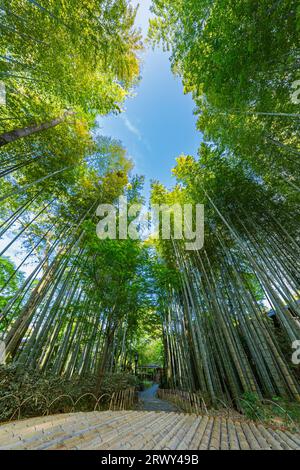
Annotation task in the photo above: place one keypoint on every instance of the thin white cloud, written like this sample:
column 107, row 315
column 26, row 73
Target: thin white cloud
column 131, row 127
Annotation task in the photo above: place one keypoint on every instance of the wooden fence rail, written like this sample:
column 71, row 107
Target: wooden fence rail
column 123, row 400
column 188, row 402
column 117, row 401
column 194, row 404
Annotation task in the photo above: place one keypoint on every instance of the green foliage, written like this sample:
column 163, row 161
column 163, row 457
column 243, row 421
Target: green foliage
column 275, row 412
column 10, row 281
column 7, row 269
column 81, row 310
column 251, row 406
column 68, row 61
column 223, row 288
column 150, row 350
column 74, row 54
column 77, row 321
column 239, row 61
column 39, row 393
column 145, row 384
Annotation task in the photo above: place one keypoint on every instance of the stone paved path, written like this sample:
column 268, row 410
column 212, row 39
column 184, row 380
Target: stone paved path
column 149, row 402
column 120, row 430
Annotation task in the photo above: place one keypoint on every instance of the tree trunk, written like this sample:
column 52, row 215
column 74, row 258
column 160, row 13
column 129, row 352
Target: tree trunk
column 16, row 134
column 104, row 358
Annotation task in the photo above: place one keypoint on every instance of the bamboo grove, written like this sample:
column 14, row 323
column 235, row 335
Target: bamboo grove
column 71, row 304
column 217, row 322
column 239, row 60
column 79, row 306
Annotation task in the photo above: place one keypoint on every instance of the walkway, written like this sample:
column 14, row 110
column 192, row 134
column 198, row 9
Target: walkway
column 149, row 402
column 136, row 430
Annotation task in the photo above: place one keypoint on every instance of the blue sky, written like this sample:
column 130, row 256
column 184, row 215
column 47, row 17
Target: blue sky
column 158, row 123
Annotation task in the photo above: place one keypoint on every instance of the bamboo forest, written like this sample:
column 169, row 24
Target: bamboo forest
column 108, row 329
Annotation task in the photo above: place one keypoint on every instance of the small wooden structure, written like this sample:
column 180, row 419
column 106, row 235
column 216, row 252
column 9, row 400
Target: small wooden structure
column 151, row 372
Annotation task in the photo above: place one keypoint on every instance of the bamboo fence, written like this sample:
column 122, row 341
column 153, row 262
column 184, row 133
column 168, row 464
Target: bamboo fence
column 117, row 401
column 187, row 401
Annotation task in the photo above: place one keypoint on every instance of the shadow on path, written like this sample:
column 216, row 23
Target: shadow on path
column 149, row 402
